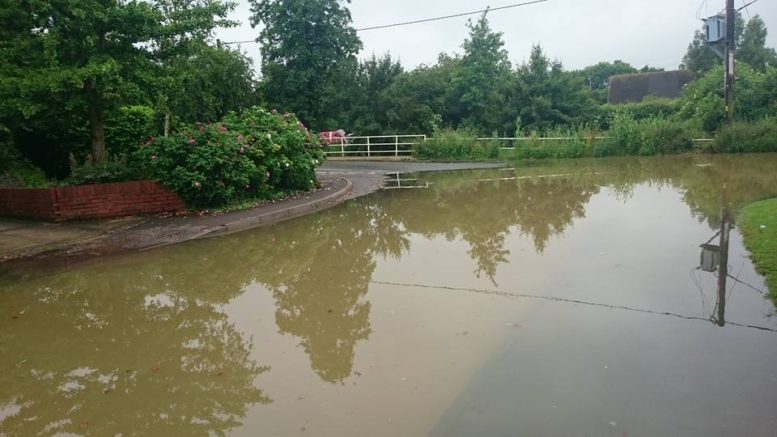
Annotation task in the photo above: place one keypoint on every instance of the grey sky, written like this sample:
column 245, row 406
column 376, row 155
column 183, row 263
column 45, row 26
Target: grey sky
column 577, row 32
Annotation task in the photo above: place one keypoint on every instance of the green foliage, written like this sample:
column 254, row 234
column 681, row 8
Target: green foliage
column 650, row 107
column 371, row 110
column 746, row 137
column 22, row 174
column 456, row 145
column 752, row 48
column 546, row 96
column 72, row 54
column 598, row 76
column 759, row 229
column 755, row 97
column 127, row 128
column 116, row 169
column 419, row 100
column 577, row 143
column 308, row 52
column 253, row 155
column 481, row 80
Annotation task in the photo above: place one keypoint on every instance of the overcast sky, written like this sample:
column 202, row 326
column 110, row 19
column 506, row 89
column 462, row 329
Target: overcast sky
column 577, row 32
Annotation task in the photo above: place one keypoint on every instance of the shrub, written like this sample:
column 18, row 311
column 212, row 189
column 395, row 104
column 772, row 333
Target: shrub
column 456, row 145
column 253, row 155
column 625, row 137
column 663, row 136
column 650, row 107
column 116, row 169
column 744, row 137
column 127, row 128
column 577, row 143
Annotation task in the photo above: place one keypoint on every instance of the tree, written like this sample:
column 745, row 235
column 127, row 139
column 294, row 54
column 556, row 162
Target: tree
column 180, row 47
column 212, row 82
column 77, row 55
column 597, row 76
column 369, row 107
column 752, row 47
column 308, row 53
column 482, row 78
column 421, row 99
column 547, row 96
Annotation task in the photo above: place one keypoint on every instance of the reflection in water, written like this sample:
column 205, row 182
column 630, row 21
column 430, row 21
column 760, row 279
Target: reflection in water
column 323, row 303
column 146, row 345
column 103, row 352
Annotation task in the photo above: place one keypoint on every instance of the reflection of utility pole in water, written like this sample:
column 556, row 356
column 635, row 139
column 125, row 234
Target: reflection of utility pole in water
column 725, row 229
column 714, row 259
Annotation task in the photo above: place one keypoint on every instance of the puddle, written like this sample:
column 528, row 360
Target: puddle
column 568, row 298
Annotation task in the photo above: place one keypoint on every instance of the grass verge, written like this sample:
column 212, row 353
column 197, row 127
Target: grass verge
column 759, row 227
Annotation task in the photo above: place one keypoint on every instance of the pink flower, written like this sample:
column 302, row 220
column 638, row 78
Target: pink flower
column 242, row 150
column 274, row 111
column 192, row 141
column 197, row 184
column 153, row 157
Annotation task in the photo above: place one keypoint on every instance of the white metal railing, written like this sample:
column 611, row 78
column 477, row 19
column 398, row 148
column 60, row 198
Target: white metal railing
column 376, row 145
column 541, row 139
column 402, row 145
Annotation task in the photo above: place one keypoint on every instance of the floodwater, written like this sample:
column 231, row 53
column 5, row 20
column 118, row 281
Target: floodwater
column 561, row 298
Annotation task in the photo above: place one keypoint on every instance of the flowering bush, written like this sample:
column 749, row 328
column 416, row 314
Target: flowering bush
column 253, row 155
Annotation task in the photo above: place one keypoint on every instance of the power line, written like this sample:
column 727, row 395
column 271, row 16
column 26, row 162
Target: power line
column 517, row 295
column 745, row 6
column 446, row 17
column 426, row 20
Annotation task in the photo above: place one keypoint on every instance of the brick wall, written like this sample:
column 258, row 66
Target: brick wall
column 88, row 201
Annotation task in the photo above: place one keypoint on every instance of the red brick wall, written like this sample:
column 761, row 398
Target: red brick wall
column 89, row 201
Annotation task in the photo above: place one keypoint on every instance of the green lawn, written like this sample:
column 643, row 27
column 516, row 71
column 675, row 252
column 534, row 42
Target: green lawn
column 759, row 226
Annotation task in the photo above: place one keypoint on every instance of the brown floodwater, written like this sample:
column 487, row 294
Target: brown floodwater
column 559, row 298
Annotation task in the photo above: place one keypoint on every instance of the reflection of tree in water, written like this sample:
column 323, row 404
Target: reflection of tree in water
column 114, row 352
column 323, row 304
column 482, row 213
column 547, row 206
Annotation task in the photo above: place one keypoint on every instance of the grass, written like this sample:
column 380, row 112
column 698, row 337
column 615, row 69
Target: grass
column 759, row 227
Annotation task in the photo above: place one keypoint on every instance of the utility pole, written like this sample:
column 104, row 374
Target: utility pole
column 731, row 16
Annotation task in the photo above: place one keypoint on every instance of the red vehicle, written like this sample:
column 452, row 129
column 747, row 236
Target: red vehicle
column 333, row 137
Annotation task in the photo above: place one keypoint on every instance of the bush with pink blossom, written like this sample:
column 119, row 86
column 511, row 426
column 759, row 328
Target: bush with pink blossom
column 256, row 154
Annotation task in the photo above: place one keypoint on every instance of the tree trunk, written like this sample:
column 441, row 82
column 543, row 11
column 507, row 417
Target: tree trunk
column 97, row 127
column 167, row 124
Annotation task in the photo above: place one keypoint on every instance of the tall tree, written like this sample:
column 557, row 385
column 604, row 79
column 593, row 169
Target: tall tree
column 422, row 99
column 482, row 78
column 752, row 47
column 308, row 53
column 549, row 96
column 77, row 54
column 184, row 36
column 370, row 106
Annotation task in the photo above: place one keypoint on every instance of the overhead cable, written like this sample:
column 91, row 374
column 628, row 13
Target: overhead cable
column 426, row 20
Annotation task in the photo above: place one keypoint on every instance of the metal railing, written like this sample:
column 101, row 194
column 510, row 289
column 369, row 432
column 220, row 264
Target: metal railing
column 515, row 140
column 377, row 145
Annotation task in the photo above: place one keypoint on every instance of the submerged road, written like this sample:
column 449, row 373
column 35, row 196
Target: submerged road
column 33, row 241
